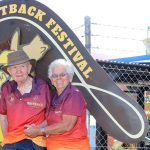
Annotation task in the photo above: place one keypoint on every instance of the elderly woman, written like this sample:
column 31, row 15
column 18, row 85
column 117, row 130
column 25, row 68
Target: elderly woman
column 66, row 129
column 23, row 100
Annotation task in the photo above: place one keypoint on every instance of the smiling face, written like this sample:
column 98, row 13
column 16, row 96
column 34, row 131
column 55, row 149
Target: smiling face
column 20, row 72
column 60, row 78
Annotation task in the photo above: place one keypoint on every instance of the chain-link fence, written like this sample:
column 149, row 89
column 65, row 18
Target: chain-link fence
column 134, row 79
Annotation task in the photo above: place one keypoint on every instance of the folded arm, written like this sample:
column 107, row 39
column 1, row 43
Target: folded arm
column 67, row 123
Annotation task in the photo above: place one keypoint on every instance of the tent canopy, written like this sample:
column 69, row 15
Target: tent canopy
column 140, row 59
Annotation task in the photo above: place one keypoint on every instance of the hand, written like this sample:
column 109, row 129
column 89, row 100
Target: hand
column 32, row 130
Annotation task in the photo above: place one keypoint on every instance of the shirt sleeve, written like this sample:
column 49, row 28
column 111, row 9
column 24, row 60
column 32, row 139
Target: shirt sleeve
column 48, row 99
column 3, row 109
column 74, row 104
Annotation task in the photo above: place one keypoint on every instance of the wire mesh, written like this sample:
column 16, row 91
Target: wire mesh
column 134, row 80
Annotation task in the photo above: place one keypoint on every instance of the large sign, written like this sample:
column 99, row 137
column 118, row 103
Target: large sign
column 43, row 35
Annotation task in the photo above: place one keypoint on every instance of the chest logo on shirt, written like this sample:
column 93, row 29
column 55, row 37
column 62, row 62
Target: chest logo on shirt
column 59, row 112
column 35, row 102
column 11, row 98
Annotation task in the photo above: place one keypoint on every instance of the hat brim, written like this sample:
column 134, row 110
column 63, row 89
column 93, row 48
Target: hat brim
column 32, row 62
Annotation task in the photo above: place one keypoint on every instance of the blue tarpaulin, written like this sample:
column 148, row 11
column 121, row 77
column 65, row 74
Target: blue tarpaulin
column 140, row 59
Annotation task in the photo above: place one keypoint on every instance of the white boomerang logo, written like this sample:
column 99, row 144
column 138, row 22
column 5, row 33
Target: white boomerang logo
column 85, row 85
column 133, row 136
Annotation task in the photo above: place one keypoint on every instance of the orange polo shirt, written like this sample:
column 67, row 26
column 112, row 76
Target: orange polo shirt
column 29, row 108
column 72, row 103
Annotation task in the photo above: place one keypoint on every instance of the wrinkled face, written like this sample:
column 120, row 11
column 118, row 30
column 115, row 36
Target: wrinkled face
column 60, row 78
column 20, row 72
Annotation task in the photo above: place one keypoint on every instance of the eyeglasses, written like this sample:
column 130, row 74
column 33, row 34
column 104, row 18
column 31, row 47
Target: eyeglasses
column 54, row 76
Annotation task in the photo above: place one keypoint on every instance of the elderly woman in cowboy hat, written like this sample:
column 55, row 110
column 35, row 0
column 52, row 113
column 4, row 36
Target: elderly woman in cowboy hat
column 66, row 123
column 23, row 100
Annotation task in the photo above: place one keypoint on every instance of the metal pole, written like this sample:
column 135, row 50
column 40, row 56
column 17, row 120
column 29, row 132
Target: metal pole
column 87, row 23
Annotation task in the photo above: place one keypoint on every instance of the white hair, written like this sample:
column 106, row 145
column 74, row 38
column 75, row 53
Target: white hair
column 61, row 62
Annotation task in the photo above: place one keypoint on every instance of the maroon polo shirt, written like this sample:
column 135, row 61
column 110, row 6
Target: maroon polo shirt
column 29, row 108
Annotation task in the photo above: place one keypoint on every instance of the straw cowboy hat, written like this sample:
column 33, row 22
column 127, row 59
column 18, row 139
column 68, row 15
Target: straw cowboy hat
column 17, row 57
